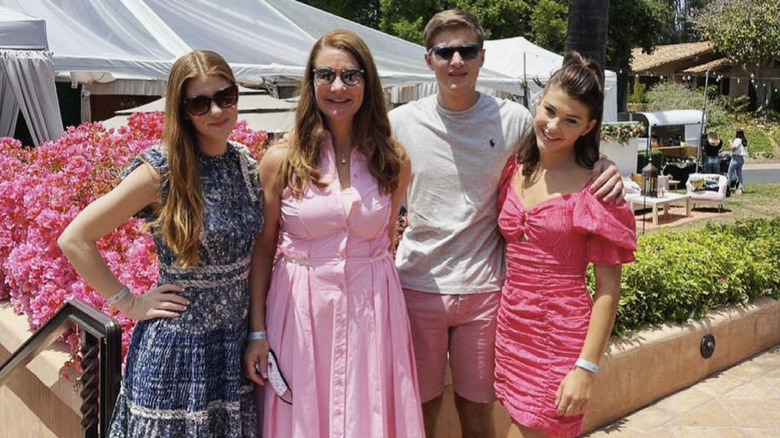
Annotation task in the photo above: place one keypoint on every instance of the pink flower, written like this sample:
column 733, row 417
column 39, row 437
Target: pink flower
column 42, row 189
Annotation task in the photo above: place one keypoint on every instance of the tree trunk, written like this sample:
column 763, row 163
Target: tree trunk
column 622, row 84
column 762, row 85
column 587, row 31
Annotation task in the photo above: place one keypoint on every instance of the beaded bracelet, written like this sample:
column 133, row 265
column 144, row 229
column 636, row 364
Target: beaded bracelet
column 256, row 336
column 587, row 365
column 119, row 296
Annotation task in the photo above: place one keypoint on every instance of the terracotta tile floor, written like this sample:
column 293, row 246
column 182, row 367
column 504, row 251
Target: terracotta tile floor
column 740, row 402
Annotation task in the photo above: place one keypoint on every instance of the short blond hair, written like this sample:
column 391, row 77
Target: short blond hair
column 452, row 19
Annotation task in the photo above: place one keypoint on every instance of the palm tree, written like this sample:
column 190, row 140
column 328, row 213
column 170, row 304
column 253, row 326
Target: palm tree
column 587, row 31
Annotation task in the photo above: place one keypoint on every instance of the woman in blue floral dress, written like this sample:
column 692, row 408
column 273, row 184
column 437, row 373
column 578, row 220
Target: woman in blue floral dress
column 201, row 197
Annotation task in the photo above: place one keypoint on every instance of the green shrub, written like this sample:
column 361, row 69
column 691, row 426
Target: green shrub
column 737, row 104
column 682, row 275
column 639, row 95
column 655, row 156
column 669, row 95
column 760, row 145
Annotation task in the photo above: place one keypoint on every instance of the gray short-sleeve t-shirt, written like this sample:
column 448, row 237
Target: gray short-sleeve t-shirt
column 452, row 244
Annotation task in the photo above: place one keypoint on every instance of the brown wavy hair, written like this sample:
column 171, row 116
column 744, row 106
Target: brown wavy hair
column 370, row 128
column 180, row 220
column 581, row 79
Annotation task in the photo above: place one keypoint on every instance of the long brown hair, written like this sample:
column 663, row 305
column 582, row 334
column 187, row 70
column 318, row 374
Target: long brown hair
column 370, row 128
column 581, row 79
column 180, row 221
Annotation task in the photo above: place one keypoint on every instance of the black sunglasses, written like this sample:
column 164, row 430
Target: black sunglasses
column 467, row 51
column 200, row 105
column 351, row 76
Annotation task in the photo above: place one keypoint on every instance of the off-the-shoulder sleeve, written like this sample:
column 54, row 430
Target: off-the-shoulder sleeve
column 156, row 157
column 611, row 229
column 510, row 168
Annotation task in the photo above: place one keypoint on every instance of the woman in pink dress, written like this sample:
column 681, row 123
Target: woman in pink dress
column 550, row 333
column 335, row 314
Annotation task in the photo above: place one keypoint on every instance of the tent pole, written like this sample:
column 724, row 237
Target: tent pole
column 703, row 117
column 525, row 86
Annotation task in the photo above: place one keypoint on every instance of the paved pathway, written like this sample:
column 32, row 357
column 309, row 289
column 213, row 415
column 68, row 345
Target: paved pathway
column 740, row 402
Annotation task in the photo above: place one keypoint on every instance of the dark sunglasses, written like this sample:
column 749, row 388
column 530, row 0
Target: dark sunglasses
column 351, row 76
column 467, row 51
column 200, row 105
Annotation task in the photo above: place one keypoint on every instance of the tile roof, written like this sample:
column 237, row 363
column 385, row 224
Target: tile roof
column 666, row 54
column 712, row 65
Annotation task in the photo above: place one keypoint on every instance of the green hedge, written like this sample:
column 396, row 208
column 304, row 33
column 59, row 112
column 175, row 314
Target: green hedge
column 682, row 275
column 655, row 156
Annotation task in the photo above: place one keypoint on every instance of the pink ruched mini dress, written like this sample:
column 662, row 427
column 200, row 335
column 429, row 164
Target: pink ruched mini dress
column 336, row 317
column 545, row 305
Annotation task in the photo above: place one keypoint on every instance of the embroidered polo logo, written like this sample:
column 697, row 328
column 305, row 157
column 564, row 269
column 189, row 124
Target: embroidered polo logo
column 492, row 143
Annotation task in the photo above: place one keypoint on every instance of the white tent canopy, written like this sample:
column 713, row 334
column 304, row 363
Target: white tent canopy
column 137, row 41
column 27, row 77
column 528, row 63
column 21, row 32
column 260, row 111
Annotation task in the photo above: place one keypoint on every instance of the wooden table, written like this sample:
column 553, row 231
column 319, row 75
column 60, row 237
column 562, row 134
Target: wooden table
column 664, row 202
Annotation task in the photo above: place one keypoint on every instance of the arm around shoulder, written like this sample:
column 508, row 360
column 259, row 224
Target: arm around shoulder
column 608, row 183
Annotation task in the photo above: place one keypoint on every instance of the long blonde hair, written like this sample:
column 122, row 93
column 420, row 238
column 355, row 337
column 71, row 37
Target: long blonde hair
column 180, row 221
column 370, row 129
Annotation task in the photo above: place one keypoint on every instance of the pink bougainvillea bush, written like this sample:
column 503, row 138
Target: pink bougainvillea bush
column 43, row 188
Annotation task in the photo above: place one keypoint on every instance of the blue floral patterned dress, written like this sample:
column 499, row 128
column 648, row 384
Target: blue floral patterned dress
column 184, row 377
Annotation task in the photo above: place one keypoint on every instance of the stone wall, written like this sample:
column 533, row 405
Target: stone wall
column 635, row 372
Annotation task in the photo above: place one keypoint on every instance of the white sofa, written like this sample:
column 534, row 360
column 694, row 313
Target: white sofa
column 707, row 188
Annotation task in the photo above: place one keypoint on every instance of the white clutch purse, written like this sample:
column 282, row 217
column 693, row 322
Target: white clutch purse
column 277, row 380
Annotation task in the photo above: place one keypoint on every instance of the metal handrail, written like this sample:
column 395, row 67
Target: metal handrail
column 100, row 363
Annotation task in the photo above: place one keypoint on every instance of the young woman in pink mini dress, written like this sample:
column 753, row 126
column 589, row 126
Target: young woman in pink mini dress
column 550, row 332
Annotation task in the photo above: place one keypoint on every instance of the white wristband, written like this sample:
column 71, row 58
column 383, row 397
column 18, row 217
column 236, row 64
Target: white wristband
column 587, row 365
column 119, row 296
column 256, row 336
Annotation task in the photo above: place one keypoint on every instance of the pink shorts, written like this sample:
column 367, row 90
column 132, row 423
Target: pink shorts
column 464, row 326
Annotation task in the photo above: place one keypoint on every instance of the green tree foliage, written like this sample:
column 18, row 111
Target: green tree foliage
column 634, row 23
column 679, row 28
column 500, row 18
column 748, row 32
column 549, row 21
column 670, row 95
column 365, row 12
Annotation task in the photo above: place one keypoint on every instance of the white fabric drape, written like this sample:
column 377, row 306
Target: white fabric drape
column 9, row 109
column 86, row 104
column 30, row 76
